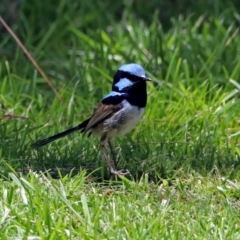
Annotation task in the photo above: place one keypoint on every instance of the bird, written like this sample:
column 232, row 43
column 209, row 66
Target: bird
column 117, row 113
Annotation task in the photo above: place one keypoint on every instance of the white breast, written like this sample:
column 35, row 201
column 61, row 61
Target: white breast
column 124, row 120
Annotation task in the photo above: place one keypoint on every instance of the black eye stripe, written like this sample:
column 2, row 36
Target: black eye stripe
column 122, row 74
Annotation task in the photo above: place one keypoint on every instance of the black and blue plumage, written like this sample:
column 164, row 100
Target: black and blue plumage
column 118, row 112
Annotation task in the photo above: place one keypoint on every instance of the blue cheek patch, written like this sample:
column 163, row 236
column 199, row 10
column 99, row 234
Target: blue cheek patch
column 123, row 83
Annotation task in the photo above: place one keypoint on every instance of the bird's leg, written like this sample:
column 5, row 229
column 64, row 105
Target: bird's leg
column 112, row 171
column 121, row 172
column 113, row 153
column 106, row 157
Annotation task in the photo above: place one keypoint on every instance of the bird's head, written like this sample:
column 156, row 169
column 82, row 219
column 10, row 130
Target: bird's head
column 129, row 75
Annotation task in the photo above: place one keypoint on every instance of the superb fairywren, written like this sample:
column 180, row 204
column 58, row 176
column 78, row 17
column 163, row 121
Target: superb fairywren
column 118, row 112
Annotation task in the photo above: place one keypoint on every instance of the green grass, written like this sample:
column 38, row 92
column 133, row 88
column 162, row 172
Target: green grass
column 77, row 208
column 184, row 156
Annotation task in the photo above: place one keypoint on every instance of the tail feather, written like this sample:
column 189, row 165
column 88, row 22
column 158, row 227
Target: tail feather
column 60, row 135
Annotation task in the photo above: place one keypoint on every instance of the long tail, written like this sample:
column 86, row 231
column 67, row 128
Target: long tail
column 60, row 135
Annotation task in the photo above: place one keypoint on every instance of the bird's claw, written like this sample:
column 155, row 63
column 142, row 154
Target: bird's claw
column 120, row 172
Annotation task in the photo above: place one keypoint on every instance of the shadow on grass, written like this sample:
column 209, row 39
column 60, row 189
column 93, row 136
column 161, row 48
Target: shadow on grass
column 159, row 160
column 161, row 163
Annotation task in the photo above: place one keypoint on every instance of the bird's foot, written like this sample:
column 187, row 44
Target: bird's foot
column 120, row 172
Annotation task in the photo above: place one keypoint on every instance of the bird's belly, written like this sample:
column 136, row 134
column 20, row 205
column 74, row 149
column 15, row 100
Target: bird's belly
column 123, row 121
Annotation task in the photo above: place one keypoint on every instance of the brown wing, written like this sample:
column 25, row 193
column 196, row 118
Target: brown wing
column 101, row 113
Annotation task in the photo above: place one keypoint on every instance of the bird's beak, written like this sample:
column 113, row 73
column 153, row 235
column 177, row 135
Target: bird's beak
column 147, row 79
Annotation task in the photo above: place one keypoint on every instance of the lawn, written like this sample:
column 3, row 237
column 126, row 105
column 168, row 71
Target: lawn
column 184, row 155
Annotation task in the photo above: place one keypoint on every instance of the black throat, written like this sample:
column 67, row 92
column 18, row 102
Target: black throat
column 135, row 94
